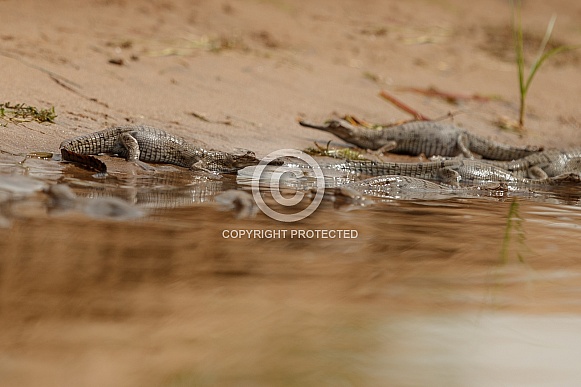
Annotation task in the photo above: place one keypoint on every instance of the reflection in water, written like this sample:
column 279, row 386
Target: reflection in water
column 166, row 190
column 513, row 233
column 428, row 293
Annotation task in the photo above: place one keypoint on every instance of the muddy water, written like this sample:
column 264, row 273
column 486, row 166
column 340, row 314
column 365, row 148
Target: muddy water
column 454, row 292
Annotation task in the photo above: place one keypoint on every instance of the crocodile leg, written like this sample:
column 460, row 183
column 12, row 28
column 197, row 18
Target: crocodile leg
column 130, row 143
column 449, row 176
column 571, row 165
column 391, row 145
column 132, row 146
column 536, row 172
column 464, row 145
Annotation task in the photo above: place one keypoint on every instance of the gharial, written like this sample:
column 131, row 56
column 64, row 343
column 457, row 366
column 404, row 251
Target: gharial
column 453, row 172
column 423, row 137
column 140, row 143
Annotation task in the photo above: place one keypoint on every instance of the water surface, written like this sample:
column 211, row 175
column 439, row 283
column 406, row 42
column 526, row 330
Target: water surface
column 451, row 292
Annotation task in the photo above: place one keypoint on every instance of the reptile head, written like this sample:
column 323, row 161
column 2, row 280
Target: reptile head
column 233, row 162
column 247, row 159
column 223, row 162
column 360, row 136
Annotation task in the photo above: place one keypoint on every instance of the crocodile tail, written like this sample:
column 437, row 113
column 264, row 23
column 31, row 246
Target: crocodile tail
column 88, row 162
column 498, row 151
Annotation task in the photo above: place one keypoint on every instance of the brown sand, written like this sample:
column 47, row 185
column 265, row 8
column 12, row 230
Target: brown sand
column 252, row 67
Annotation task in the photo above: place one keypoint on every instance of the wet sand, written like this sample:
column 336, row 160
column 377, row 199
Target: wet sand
column 252, row 68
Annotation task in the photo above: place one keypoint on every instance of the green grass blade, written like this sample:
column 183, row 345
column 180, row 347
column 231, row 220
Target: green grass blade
column 545, row 41
column 537, row 64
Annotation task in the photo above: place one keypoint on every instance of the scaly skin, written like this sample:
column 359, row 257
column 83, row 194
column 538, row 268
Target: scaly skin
column 452, row 172
column 544, row 164
column 406, row 187
column 423, row 137
column 147, row 144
